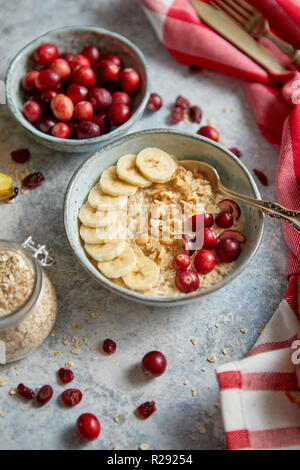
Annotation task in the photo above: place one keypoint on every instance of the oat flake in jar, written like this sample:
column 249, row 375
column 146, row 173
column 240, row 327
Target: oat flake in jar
column 27, row 299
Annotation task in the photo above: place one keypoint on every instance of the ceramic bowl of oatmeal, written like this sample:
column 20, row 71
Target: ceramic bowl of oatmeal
column 149, row 229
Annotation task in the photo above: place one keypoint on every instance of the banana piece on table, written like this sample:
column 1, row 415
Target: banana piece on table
column 92, row 217
column 127, row 171
column 119, row 266
column 144, row 275
column 155, row 164
column 98, row 235
column 5, row 187
column 99, row 200
column 105, row 251
column 111, row 184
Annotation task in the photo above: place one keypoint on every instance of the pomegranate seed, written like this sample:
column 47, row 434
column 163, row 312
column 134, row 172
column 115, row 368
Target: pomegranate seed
column 62, row 68
column 61, row 130
column 45, row 54
column 109, row 346
column 224, row 219
column 236, row 152
column 65, row 375
column 48, row 95
column 154, row 103
column 62, row 107
column 129, row 80
column 205, row 261
column 88, row 427
column 32, row 111
column 20, row 156
column 47, row 124
column 114, row 58
column 209, row 132
column 107, row 71
column 195, row 114
column 228, row 205
column 101, row 120
column 154, row 363
column 193, row 69
column 77, row 92
column 71, row 396
column 176, row 115
column 87, row 130
column 92, row 53
column 181, row 261
column 145, row 409
column 118, row 113
column 100, row 98
column 228, row 250
column 79, row 60
column 44, row 395
column 28, row 82
column 261, row 176
column 84, row 75
column 187, row 280
column 182, row 102
column 25, row 392
column 33, row 181
column 210, row 239
column 84, row 111
column 121, row 97
column 47, row 79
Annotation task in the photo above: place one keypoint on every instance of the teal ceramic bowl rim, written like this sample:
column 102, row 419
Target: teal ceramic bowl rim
column 77, row 142
column 146, row 299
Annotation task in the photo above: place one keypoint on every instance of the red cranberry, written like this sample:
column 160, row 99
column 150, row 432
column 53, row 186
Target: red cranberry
column 46, row 124
column 205, row 261
column 32, row 111
column 71, row 396
column 154, row 103
column 68, row 56
column 60, row 88
column 154, row 364
column 25, row 392
column 28, row 82
column 109, row 346
column 129, row 80
column 261, row 176
column 236, row 152
column 65, row 375
column 228, row 250
column 235, row 234
column 47, row 79
column 45, row 54
column 38, row 99
column 224, row 219
column 79, row 60
column 176, row 115
column 77, row 92
column 20, row 156
column 114, row 58
column 121, row 97
column 228, row 205
column 33, row 180
column 48, row 95
column 101, row 120
column 61, row 130
column 62, row 68
column 210, row 239
column 187, row 280
column 87, row 130
column 145, row 409
column 182, row 102
column 195, row 114
column 181, row 261
column 107, row 71
column 92, row 53
column 73, row 126
column 118, row 113
column 100, row 98
column 88, row 427
column 62, row 107
column 84, row 75
column 44, row 395
column 209, row 132
column 200, row 220
column 83, row 111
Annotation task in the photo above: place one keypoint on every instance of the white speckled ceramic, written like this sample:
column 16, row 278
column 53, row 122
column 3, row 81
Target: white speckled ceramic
column 73, row 39
column 185, row 146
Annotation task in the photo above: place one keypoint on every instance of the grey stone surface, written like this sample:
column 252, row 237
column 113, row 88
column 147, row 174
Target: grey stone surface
column 116, row 386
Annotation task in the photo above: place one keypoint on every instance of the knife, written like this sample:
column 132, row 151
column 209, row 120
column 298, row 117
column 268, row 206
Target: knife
column 229, row 30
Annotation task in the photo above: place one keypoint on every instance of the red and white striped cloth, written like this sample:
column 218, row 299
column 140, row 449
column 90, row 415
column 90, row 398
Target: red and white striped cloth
column 256, row 410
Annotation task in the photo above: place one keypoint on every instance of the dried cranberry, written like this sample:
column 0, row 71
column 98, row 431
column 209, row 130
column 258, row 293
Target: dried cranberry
column 195, row 114
column 25, row 392
column 45, row 394
column 71, row 396
column 33, row 181
column 261, row 176
column 65, row 375
column 236, row 152
column 21, row 155
column 109, row 346
column 176, row 115
column 182, row 102
column 146, row 409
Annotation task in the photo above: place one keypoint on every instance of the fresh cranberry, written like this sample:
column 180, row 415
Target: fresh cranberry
column 187, row 280
column 205, row 261
column 188, row 244
column 84, row 75
column 46, row 124
column 73, row 126
column 235, row 234
column 100, row 98
column 92, row 53
column 154, row 363
column 83, row 111
column 107, row 71
column 209, row 132
column 210, row 239
column 121, row 97
column 145, row 409
column 176, row 115
column 62, row 68
column 28, row 82
column 182, row 102
column 118, row 113
column 60, row 88
column 109, row 346
column 88, row 427
column 48, row 95
column 261, row 176
column 33, row 180
column 205, row 220
column 101, row 120
column 68, row 56
column 25, row 392
column 236, row 152
column 79, row 60
column 77, row 92
column 228, row 205
column 71, row 396
column 154, row 103
column 32, row 111
column 61, row 130
column 45, row 54
column 228, row 250
column 47, row 79
column 181, row 261
column 129, row 80
column 224, row 219
column 20, row 156
column 65, row 375
column 195, row 114
column 114, row 58
column 87, row 130
column 44, row 395
column 62, row 107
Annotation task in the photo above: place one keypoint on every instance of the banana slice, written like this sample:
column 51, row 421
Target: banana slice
column 127, row 171
column 144, row 275
column 105, row 251
column 94, row 236
column 155, row 164
column 111, row 184
column 96, row 218
column 119, row 266
column 99, row 200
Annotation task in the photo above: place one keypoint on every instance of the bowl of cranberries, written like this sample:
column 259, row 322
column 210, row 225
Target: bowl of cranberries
column 76, row 87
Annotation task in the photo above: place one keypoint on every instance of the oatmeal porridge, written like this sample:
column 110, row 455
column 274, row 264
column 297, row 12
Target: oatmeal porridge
column 151, row 226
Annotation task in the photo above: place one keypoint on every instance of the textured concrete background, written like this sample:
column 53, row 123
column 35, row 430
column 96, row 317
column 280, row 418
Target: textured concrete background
column 115, row 383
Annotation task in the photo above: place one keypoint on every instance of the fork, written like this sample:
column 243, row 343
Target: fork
column 254, row 23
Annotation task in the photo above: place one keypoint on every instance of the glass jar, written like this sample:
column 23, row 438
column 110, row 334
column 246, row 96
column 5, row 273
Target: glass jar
column 25, row 327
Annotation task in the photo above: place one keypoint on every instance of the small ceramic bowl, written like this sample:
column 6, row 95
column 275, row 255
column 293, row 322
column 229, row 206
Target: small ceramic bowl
column 73, row 39
column 184, row 146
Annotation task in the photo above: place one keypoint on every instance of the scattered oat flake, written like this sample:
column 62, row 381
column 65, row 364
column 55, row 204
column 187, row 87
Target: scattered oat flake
column 211, row 121
column 116, row 420
column 86, row 341
column 217, row 325
column 186, row 382
column 68, row 365
column 203, row 369
column 225, row 351
column 95, row 315
column 77, row 325
column 260, row 331
column 65, row 341
column 85, row 390
column 212, row 358
column 56, row 353
column 17, row 368
column 244, row 330
column 225, row 110
column 115, row 448
column 53, row 333
column 202, row 430
column 3, row 380
column 194, row 341
column 93, row 348
column 144, row 446
column 13, row 391
column 75, row 351
column 193, row 392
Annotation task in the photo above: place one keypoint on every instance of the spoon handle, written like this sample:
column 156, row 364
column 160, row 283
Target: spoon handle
column 268, row 207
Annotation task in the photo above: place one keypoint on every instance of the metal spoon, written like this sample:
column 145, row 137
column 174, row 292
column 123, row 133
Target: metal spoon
column 270, row 208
